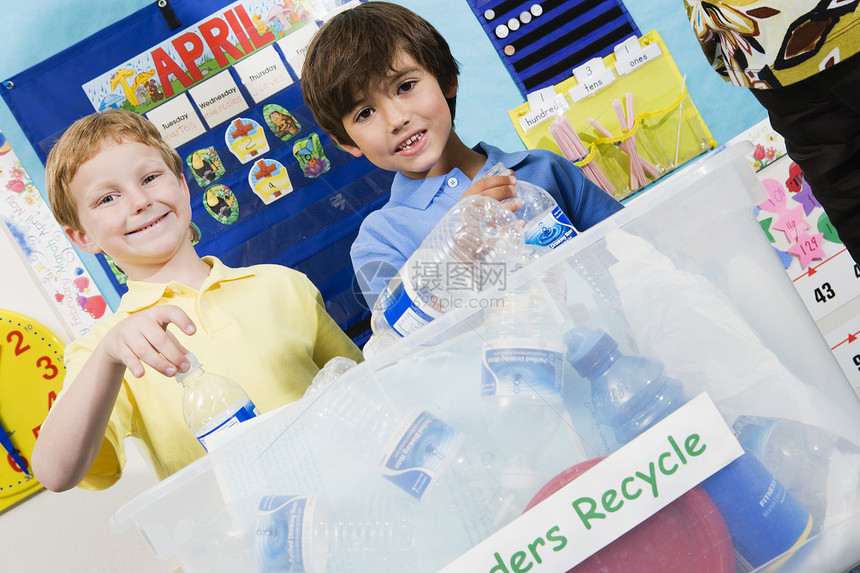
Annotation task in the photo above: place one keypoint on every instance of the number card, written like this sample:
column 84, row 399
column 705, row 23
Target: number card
column 829, row 285
column 629, row 55
column 844, row 342
column 592, row 76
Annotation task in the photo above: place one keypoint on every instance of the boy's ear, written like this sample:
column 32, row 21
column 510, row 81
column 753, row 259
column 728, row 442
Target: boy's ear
column 184, row 185
column 351, row 149
column 81, row 240
column 452, row 88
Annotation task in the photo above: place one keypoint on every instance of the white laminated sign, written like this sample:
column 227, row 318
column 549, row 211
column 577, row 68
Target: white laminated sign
column 611, row 498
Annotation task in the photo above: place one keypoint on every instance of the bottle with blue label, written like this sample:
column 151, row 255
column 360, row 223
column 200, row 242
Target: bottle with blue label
column 211, row 402
column 465, row 253
column 803, row 457
column 546, row 225
column 521, row 389
column 632, row 393
column 436, row 466
column 299, row 533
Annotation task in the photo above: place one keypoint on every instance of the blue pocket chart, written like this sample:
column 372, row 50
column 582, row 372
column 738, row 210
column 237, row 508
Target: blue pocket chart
column 541, row 42
column 221, row 81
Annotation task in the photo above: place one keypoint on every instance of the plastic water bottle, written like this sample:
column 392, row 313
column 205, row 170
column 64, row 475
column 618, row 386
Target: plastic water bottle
column 465, row 253
column 210, row 402
column 631, row 393
column 546, row 224
column 437, row 467
column 521, row 390
column 306, row 533
column 522, row 374
column 800, row 456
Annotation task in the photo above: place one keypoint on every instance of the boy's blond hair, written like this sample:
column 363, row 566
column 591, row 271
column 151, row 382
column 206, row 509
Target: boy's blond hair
column 359, row 46
column 83, row 140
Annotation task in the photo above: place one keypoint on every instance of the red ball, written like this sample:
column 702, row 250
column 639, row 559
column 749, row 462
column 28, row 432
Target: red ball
column 687, row 535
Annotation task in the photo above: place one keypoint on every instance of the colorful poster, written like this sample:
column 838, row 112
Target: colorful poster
column 44, row 245
column 204, row 49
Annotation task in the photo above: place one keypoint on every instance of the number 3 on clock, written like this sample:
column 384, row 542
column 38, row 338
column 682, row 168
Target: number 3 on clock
column 31, row 376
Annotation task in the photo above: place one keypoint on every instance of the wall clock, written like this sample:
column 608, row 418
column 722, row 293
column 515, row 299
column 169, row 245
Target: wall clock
column 31, row 376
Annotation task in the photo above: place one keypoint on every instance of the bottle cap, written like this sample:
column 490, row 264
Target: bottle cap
column 497, row 169
column 333, row 369
column 194, row 364
column 587, row 349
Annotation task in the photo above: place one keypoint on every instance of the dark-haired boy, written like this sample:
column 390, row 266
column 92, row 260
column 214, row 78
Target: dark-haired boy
column 383, row 83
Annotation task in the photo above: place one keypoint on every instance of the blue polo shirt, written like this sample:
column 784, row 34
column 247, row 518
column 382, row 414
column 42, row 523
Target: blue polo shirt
column 392, row 233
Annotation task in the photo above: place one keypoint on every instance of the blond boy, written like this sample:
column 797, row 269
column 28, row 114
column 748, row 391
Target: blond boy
column 116, row 187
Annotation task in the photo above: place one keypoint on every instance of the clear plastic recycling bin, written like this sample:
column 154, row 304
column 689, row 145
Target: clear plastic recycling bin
column 401, row 464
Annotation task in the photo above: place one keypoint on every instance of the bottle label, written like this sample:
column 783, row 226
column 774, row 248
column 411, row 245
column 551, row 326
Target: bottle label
column 246, row 412
column 419, row 453
column 283, row 532
column 521, row 367
column 551, row 230
column 762, row 517
column 408, row 312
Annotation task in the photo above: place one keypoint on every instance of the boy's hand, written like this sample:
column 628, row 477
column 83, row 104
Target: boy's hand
column 143, row 337
column 498, row 187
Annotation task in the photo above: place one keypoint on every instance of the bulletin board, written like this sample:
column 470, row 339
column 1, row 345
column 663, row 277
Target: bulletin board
column 221, row 81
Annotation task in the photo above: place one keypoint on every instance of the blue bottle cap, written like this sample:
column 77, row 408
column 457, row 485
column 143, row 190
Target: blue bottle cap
column 588, row 349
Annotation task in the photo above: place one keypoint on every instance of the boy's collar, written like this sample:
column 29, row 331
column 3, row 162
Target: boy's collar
column 419, row 193
column 496, row 155
column 142, row 294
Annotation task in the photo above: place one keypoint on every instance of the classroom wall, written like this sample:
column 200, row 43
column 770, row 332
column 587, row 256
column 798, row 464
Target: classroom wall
column 69, row 532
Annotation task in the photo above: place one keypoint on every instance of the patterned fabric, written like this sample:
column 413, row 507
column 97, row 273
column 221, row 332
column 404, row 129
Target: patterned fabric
column 764, row 44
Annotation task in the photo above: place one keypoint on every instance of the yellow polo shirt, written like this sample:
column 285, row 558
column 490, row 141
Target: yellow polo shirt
column 263, row 326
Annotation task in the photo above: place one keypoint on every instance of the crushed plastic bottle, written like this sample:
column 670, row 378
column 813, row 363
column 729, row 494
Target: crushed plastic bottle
column 434, row 465
column 546, row 225
column 465, row 253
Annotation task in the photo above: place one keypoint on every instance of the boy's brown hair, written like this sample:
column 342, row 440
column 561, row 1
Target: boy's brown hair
column 83, row 140
column 359, row 46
